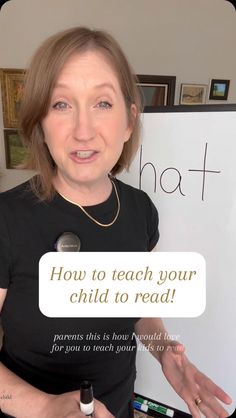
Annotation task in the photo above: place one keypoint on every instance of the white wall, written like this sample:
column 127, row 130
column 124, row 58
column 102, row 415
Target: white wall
column 193, row 40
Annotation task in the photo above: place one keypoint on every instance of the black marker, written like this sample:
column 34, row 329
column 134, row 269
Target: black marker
column 86, row 398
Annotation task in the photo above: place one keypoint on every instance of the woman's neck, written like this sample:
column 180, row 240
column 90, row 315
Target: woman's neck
column 85, row 194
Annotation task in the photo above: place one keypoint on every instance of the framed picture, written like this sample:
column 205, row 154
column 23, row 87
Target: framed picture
column 12, row 82
column 157, row 90
column 219, row 89
column 192, row 94
column 14, row 150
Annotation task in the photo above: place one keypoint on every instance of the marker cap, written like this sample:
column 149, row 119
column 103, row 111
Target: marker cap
column 86, row 392
column 86, row 398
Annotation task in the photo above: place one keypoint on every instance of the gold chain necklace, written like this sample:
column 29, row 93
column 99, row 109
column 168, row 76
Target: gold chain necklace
column 91, row 217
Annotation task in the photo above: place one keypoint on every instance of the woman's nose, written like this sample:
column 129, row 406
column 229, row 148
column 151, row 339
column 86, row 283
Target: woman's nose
column 83, row 125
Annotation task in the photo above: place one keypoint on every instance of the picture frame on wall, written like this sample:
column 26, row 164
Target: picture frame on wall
column 12, row 84
column 193, row 94
column 157, row 90
column 219, row 89
column 15, row 151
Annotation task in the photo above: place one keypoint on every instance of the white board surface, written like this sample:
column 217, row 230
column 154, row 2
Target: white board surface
column 188, row 167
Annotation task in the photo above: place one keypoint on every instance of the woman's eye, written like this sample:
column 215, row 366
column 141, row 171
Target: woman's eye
column 60, row 106
column 104, row 105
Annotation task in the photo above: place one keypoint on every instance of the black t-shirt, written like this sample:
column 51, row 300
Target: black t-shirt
column 28, row 229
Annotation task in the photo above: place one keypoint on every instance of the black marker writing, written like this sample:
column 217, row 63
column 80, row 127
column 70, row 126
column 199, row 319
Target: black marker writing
column 141, row 171
column 176, row 172
column 177, row 186
column 204, row 171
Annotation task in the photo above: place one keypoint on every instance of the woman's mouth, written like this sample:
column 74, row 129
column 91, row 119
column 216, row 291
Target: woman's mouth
column 84, row 155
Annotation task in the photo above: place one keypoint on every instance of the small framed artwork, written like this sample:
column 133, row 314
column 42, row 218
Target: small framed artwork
column 157, row 90
column 12, row 83
column 14, row 149
column 219, row 89
column 192, row 94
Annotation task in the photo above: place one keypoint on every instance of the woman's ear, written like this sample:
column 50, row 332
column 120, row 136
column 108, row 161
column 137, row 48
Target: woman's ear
column 133, row 115
column 131, row 121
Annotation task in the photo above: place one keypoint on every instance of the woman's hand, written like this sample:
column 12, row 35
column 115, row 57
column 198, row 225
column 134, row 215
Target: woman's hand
column 191, row 384
column 67, row 406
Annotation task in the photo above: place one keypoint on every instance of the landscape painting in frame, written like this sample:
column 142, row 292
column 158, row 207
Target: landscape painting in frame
column 193, row 94
column 12, row 86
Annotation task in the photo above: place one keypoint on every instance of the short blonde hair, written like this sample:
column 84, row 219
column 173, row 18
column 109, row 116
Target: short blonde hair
column 41, row 77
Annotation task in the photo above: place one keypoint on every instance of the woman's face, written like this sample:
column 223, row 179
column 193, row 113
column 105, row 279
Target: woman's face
column 86, row 125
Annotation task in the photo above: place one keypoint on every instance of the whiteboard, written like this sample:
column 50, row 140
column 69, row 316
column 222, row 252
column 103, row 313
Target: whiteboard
column 187, row 165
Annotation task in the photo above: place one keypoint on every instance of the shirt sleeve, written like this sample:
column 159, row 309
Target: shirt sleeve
column 4, row 253
column 153, row 222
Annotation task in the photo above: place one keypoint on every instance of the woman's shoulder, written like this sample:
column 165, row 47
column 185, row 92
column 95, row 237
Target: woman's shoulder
column 136, row 201
column 17, row 195
column 132, row 192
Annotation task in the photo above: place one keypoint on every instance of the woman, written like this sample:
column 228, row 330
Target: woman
column 80, row 121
